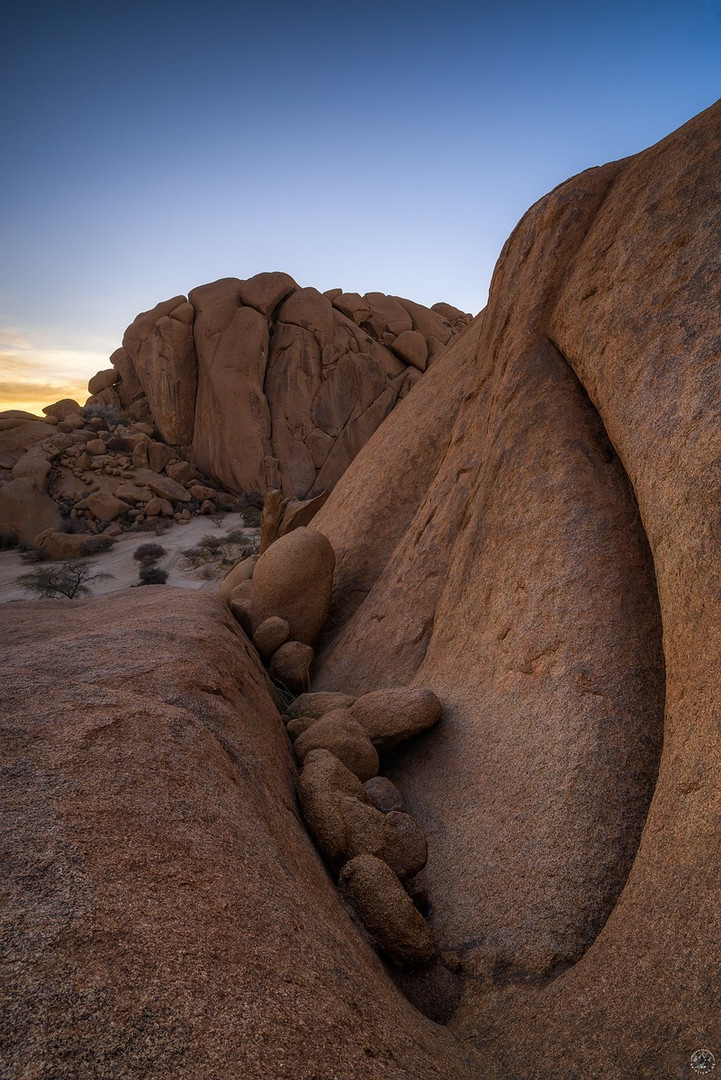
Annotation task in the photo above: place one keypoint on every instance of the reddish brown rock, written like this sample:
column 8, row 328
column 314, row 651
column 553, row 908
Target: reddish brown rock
column 387, row 911
column 102, row 380
column 103, row 506
column 152, row 844
column 26, row 510
column 293, row 579
column 270, row 635
column 161, row 349
column 336, row 809
column 526, row 588
column 63, row 409
column 391, row 716
column 290, row 664
column 242, row 571
column 383, row 793
column 318, row 704
column 162, row 486
column 411, row 347
column 338, row 733
column 55, row 546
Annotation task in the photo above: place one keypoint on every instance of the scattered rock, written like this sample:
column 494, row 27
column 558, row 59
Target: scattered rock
column 103, row 506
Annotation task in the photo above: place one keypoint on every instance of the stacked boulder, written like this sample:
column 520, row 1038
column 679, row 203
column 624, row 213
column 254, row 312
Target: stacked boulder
column 265, row 384
column 282, row 599
column 356, row 816
column 101, row 475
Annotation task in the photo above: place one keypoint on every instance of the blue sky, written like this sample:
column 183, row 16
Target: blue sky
column 150, row 147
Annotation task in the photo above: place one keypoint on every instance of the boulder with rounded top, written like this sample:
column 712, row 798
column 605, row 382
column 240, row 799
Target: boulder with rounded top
column 294, row 579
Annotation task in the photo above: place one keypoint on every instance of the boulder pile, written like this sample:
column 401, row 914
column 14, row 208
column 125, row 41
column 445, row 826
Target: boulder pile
column 91, row 475
column 265, row 384
column 282, row 599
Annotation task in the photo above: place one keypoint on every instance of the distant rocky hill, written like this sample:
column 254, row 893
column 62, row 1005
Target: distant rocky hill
column 268, row 385
column 245, row 386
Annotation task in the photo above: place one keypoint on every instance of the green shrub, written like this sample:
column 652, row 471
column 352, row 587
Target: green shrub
column 70, row 578
column 251, row 517
column 149, row 551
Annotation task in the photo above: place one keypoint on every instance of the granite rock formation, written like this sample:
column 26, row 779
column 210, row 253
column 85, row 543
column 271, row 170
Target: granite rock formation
column 268, row 385
column 544, row 520
column 563, row 511
column 166, row 913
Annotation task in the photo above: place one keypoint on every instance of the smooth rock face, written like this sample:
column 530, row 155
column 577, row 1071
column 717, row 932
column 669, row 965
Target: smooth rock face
column 152, row 845
column 523, row 585
column 293, row 579
column 387, row 911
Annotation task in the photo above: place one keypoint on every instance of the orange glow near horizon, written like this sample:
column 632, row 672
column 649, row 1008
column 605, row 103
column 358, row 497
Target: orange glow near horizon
column 33, row 398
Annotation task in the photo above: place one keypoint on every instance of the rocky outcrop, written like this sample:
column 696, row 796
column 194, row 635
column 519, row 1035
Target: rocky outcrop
column 269, row 385
column 165, row 912
column 564, row 509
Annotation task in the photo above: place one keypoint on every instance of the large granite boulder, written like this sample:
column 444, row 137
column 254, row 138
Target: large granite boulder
column 271, row 385
column 541, row 505
column 166, row 913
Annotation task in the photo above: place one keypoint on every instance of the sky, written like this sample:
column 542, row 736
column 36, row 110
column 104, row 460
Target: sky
column 151, row 147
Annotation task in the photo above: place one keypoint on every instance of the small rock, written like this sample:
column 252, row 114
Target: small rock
column 384, row 794
column 299, row 725
column 103, row 506
column 270, row 635
column 344, row 738
column 241, row 611
column 387, row 911
column 405, row 847
column 390, row 716
column 201, row 493
column 290, row 664
column 242, row 571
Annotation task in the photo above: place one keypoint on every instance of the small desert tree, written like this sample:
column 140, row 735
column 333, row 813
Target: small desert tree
column 70, row 578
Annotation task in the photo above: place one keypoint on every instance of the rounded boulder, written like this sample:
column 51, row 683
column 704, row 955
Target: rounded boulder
column 290, row 664
column 387, row 911
column 293, row 579
column 344, row 738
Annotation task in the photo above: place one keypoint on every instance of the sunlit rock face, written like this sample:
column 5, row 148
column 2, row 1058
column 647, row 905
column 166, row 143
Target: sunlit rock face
column 269, row 385
column 548, row 566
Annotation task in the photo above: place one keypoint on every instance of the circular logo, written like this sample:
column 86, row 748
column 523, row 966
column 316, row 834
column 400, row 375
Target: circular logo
column 702, row 1061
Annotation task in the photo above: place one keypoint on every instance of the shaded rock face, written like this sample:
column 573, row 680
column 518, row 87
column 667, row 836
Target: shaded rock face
column 270, row 385
column 567, row 511
column 166, row 913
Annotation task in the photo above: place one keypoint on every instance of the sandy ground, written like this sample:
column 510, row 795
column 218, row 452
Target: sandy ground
column 119, row 560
